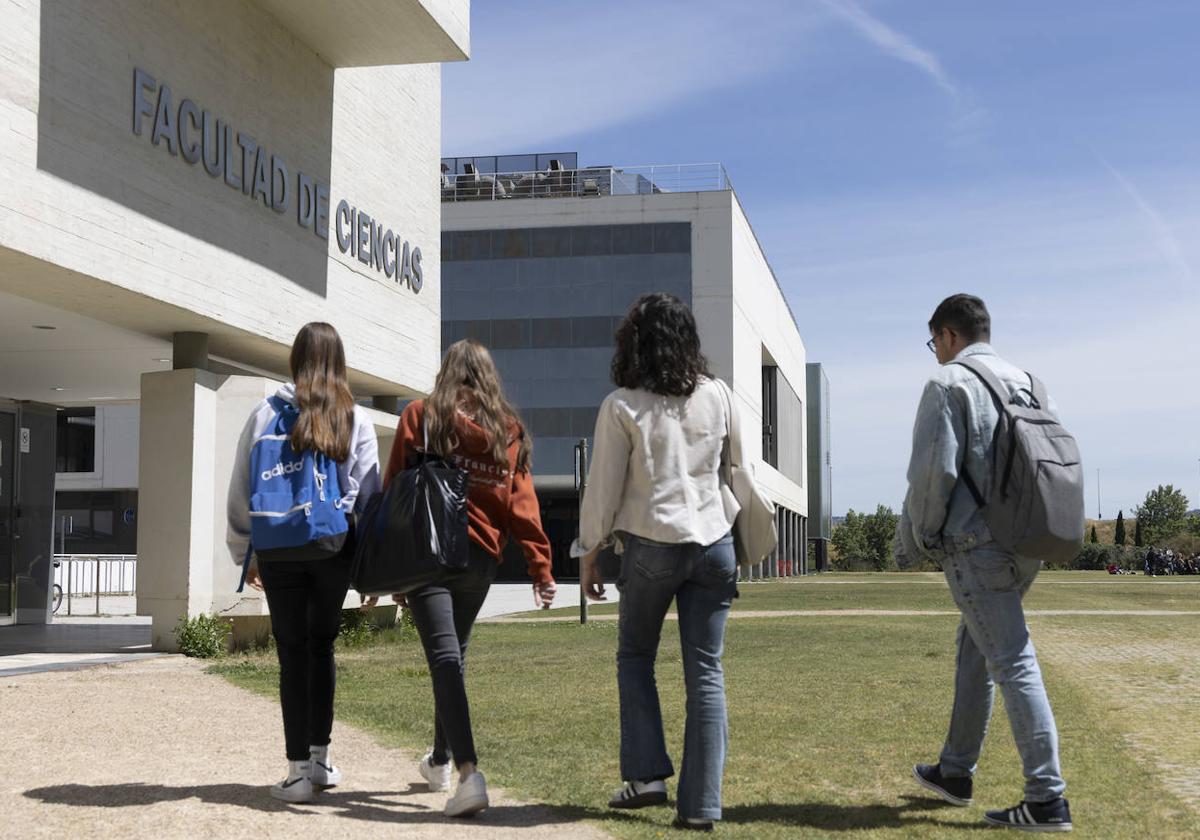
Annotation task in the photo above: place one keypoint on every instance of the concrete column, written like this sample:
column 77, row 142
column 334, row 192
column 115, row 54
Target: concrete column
column 190, row 350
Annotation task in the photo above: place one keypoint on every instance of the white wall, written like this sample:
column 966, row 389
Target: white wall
column 116, row 452
column 96, row 219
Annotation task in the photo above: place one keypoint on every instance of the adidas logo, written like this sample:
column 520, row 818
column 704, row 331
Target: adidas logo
column 282, row 469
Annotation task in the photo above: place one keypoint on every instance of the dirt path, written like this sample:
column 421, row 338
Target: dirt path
column 161, row 749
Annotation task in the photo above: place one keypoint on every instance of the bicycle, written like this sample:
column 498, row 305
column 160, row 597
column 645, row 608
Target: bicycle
column 56, row 593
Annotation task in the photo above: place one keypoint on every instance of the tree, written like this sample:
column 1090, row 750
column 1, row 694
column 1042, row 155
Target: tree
column 1094, row 540
column 1163, row 514
column 1137, row 533
column 1119, row 537
column 865, row 540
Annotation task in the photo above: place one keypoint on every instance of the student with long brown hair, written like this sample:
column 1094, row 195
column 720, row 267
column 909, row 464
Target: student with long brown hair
column 470, row 423
column 306, row 458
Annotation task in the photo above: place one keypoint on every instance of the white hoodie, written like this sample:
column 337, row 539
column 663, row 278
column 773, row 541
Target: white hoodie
column 358, row 475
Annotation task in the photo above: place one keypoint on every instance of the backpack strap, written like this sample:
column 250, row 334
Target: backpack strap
column 245, row 567
column 732, row 452
column 1040, row 395
column 989, row 378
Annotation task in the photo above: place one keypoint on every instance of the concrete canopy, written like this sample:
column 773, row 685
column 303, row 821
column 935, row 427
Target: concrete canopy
column 360, row 33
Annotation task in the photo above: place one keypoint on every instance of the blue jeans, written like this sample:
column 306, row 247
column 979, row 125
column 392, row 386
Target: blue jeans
column 994, row 648
column 703, row 582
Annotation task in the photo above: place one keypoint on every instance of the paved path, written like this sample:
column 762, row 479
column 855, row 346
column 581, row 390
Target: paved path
column 851, row 613
column 161, row 749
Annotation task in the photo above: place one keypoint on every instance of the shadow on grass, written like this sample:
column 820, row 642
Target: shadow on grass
column 373, row 806
column 915, row 811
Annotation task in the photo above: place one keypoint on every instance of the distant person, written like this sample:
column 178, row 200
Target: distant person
column 942, row 521
column 468, row 421
column 305, row 584
column 654, row 490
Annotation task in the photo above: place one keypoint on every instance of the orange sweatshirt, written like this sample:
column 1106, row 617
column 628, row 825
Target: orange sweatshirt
column 500, row 501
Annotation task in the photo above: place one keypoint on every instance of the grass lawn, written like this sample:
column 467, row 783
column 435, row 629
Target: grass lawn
column 827, row 715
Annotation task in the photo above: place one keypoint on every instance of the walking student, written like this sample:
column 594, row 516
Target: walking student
column 959, row 492
column 306, row 458
column 471, row 424
column 654, row 491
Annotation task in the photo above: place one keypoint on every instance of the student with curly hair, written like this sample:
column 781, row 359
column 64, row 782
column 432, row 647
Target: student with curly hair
column 654, row 490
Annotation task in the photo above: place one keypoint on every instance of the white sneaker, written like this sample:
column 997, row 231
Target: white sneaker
column 437, row 775
column 323, row 773
column 297, row 786
column 470, row 798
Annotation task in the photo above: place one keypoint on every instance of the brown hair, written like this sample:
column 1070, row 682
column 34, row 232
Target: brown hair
column 658, row 348
column 469, row 375
column 322, row 394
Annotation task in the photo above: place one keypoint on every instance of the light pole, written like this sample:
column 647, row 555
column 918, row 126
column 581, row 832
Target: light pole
column 1099, row 515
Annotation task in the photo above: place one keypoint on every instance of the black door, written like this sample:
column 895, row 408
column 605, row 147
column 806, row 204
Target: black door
column 8, row 461
column 33, row 546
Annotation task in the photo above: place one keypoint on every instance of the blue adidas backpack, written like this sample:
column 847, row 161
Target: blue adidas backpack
column 295, row 499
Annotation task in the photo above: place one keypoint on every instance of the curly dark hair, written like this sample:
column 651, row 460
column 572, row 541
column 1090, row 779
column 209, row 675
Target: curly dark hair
column 658, row 348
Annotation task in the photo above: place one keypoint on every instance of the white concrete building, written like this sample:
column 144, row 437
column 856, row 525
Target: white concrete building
column 182, row 186
column 542, row 264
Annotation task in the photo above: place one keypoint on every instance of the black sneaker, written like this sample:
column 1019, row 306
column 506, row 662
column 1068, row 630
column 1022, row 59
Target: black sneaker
column 955, row 791
column 692, row 824
column 1054, row 815
column 640, row 795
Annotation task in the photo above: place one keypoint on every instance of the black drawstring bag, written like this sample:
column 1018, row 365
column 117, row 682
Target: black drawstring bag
column 413, row 531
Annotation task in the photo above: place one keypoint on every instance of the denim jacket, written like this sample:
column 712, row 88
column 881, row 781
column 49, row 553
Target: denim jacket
column 956, row 421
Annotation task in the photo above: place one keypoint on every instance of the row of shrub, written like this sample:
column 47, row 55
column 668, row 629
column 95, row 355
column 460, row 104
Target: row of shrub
column 208, row 636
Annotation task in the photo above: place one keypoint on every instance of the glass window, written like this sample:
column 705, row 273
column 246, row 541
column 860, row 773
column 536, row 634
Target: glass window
column 583, row 421
column 551, row 332
column 447, row 245
column 76, row 441
column 591, row 240
column 472, row 245
column 510, row 334
column 632, row 239
column 592, row 332
column 552, row 242
column 511, row 243
column 481, row 331
column 517, row 163
column 673, row 238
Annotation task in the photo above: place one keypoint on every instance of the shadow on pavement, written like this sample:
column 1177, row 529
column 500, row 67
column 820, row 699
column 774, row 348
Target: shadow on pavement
column 375, row 806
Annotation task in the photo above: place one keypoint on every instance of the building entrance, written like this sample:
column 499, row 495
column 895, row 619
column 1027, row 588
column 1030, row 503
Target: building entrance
column 8, row 429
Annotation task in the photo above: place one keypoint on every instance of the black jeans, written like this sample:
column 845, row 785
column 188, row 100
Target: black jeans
column 305, row 598
column 444, row 612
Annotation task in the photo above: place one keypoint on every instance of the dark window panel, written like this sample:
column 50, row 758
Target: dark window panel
column 552, row 242
column 551, row 332
column 591, row 241
column 472, row 245
column 549, row 422
column 632, row 239
column 583, row 421
column 592, row 331
column 510, row 333
column 511, row 244
column 481, row 331
column 447, row 245
column 674, row 238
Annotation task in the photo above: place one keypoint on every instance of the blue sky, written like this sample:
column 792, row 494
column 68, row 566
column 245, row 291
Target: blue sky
column 1045, row 156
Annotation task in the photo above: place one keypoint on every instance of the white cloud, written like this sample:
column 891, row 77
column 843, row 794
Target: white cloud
column 1164, row 237
column 894, row 43
column 539, row 76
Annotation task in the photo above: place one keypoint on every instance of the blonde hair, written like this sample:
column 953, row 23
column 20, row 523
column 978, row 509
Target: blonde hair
column 469, row 375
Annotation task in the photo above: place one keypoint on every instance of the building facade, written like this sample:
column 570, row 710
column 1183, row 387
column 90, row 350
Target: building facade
column 541, row 266
column 186, row 185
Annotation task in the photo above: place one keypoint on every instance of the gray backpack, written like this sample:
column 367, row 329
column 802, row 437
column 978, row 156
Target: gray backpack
column 1034, row 504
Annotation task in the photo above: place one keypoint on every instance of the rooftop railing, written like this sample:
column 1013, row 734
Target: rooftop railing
column 591, row 181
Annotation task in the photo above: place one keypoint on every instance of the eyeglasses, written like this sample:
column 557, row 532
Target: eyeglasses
column 932, row 347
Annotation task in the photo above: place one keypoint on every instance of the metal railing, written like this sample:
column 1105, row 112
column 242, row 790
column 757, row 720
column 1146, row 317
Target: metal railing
column 591, row 181
column 94, row 575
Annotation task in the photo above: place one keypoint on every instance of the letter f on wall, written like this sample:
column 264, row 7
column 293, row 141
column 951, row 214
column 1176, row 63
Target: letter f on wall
column 142, row 107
